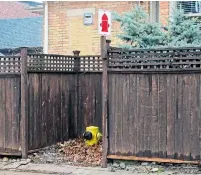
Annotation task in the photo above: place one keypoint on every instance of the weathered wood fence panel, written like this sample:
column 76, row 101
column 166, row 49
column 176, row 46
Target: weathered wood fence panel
column 53, row 106
column 89, row 101
column 10, row 142
column 155, row 115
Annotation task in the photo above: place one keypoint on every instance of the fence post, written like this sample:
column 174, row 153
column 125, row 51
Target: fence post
column 104, row 100
column 24, row 103
column 77, row 60
column 76, row 69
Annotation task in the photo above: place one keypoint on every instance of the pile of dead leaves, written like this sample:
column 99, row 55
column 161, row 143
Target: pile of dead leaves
column 78, row 152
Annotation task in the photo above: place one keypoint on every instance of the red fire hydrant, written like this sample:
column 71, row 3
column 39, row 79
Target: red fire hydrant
column 104, row 24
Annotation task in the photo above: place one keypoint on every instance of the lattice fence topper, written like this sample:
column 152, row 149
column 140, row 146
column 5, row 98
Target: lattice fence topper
column 91, row 63
column 155, row 59
column 10, row 64
column 52, row 63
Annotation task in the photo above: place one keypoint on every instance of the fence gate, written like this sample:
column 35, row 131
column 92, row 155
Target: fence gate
column 10, row 94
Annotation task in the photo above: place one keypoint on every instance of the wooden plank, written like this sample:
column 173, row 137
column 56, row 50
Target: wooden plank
column 119, row 119
column 187, row 85
column 24, row 102
column 155, row 116
column 147, row 159
column 132, row 111
column 14, row 129
column 67, row 105
column 8, row 114
column 1, row 114
column 104, row 101
column 171, row 110
column 147, row 114
column 179, row 118
column 199, row 115
column 4, row 113
column 162, row 115
column 161, row 70
column 45, row 102
column 125, row 52
column 139, row 119
column 132, row 58
column 57, row 104
column 141, row 115
column 37, row 118
column 50, row 115
column 130, row 63
column 98, row 102
column 31, row 110
column 153, row 49
column 111, row 113
column 193, row 118
column 125, row 115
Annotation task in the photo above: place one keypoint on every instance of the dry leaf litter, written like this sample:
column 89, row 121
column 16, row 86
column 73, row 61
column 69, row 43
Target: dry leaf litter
column 74, row 152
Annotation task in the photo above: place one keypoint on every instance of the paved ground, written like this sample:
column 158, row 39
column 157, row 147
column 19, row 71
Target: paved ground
column 18, row 173
column 25, row 167
column 44, row 169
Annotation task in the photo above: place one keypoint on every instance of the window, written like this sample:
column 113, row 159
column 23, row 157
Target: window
column 154, row 11
column 191, row 8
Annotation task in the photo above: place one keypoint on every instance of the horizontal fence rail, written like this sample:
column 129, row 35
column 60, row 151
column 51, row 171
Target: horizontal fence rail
column 171, row 59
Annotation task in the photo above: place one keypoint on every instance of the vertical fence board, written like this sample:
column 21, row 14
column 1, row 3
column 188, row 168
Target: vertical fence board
column 111, row 112
column 155, row 117
column 4, row 113
column 118, row 118
column 1, row 115
column 65, row 106
column 146, row 107
column 162, row 115
column 131, row 126
column 178, row 119
column 35, row 114
column 171, row 109
column 45, row 101
column 125, row 115
column 188, row 87
column 138, row 114
column 141, row 115
column 192, row 122
column 8, row 112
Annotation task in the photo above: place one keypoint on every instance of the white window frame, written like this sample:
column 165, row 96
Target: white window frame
column 154, row 11
column 173, row 6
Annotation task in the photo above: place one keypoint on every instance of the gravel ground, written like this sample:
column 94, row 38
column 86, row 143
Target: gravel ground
column 153, row 167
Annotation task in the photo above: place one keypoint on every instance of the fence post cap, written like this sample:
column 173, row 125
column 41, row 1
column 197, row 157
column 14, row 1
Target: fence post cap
column 24, row 47
column 76, row 52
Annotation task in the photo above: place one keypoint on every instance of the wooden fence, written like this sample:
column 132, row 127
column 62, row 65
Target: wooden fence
column 146, row 102
column 63, row 96
column 154, row 99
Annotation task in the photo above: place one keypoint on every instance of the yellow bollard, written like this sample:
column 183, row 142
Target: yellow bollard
column 92, row 135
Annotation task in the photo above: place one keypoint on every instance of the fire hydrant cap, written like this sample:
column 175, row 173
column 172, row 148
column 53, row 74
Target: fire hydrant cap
column 104, row 17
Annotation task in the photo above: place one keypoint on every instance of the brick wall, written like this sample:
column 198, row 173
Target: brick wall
column 67, row 31
column 164, row 12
